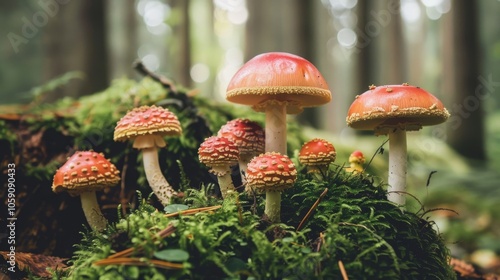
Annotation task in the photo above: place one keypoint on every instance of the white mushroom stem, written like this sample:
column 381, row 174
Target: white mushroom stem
column 160, row 186
column 224, row 178
column 225, row 184
column 397, row 166
column 273, row 206
column 92, row 211
column 275, row 142
column 276, row 127
column 243, row 163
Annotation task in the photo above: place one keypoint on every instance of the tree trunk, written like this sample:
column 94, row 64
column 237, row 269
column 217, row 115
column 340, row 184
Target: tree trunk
column 76, row 41
column 462, row 64
column 363, row 68
column 389, row 61
column 290, row 30
column 122, row 38
column 183, row 55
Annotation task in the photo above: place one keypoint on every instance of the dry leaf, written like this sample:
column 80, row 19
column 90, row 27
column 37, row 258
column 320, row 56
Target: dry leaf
column 37, row 264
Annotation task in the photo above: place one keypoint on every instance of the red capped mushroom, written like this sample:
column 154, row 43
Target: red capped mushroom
column 392, row 110
column 356, row 161
column 147, row 125
column 271, row 172
column 316, row 155
column 220, row 154
column 278, row 83
column 249, row 138
column 83, row 174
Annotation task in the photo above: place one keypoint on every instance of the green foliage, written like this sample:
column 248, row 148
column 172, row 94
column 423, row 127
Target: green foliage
column 7, row 137
column 42, row 172
column 354, row 223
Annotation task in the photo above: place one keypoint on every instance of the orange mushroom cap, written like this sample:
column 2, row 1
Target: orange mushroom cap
column 147, row 120
column 218, row 151
column 271, row 172
column 248, row 135
column 85, row 171
column 406, row 107
column 317, row 152
column 278, row 76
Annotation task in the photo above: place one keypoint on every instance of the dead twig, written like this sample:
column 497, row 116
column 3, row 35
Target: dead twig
column 139, row 262
column 194, row 211
column 141, row 68
column 308, row 214
column 127, row 252
column 380, row 150
column 164, row 232
column 343, row 271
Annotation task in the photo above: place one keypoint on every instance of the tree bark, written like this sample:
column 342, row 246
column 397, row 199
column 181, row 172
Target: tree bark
column 461, row 70
column 389, row 61
column 76, row 41
column 182, row 73
column 122, row 38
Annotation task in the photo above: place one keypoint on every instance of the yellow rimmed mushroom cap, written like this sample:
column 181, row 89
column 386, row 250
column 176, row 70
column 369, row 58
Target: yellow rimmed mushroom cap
column 280, row 77
column 383, row 108
column 218, row 151
column 317, row 152
column 85, row 171
column 271, row 172
column 152, row 121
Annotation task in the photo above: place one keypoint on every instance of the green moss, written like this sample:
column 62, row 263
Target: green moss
column 354, row 223
column 7, row 137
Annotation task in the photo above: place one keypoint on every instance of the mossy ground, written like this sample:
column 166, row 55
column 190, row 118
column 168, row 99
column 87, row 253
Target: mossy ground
column 354, row 223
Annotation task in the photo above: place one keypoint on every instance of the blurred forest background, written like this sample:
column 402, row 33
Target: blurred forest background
column 450, row 48
column 62, row 48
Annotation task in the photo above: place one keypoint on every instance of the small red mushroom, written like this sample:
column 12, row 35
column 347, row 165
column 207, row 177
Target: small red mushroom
column 271, row 172
column 249, row 138
column 316, row 155
column 356, row 161
column 83, row 174
column 147, row 125
column 220, row 154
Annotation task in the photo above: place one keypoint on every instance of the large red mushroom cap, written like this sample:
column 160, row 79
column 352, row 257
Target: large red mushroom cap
column 85, row 171
column 271, row 172
column 152, row 121
column 278, row 76
column 248, row 135
column 406, row 107
column 218, row 151
column 317, row 152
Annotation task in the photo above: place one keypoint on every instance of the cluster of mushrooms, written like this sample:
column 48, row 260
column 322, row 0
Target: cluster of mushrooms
column 277, row 84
